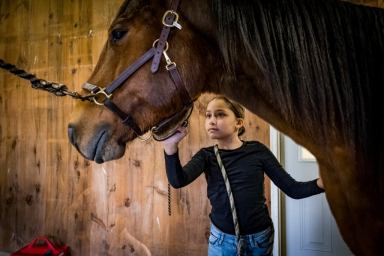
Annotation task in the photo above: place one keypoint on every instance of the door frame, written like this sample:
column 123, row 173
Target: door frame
column 274, row 142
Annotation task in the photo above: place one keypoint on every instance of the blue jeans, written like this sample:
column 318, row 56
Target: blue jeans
column 258, row 244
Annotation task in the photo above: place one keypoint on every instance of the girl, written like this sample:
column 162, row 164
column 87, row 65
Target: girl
column 245, row 163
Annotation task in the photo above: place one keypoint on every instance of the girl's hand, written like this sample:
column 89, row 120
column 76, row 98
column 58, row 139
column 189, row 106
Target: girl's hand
column 319, row 183
column 170, row 145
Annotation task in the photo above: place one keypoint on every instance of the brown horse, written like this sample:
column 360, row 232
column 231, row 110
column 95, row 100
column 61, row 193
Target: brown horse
column 310, row 68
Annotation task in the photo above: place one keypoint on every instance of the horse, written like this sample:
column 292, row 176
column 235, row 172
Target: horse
column 312, row 69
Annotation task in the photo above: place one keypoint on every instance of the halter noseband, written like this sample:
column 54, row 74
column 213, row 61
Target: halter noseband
column 102, row 96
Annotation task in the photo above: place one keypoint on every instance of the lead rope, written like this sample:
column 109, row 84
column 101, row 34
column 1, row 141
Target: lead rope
column 239, row 240
column 41, row 84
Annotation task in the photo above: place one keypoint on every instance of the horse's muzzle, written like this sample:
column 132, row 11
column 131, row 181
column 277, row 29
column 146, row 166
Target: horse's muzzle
column 71, row 134
column 94, row 147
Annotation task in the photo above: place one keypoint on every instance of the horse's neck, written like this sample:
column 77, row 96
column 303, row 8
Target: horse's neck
column 246, row 89
column 309, row 81
column 299, row 84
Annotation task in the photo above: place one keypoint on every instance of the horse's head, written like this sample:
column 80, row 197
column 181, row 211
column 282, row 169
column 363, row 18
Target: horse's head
column 140, row 97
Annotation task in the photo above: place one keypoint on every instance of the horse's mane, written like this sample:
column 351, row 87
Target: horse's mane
column 324, row 61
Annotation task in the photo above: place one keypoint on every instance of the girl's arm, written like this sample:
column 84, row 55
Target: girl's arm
column 284, row 181
column 179, row 176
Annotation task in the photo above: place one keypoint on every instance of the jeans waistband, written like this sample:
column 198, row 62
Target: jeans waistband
column 220, row 234
column 229, row 237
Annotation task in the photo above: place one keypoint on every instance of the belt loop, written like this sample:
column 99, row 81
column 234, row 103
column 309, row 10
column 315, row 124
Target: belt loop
column 221, row 239
column 252, row 240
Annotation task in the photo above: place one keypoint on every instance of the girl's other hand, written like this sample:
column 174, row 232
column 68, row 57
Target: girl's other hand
column 319, row 183
column 170, row 145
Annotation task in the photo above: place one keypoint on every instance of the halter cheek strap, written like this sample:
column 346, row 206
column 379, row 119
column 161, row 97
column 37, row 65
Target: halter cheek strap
column 119, row 81
column 170, row 19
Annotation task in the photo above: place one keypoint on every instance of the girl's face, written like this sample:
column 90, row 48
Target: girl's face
column 220, row 121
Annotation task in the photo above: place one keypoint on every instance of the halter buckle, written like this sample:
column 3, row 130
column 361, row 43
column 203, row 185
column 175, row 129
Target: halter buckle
column 175, row 20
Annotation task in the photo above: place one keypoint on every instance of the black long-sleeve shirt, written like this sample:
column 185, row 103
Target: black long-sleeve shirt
column 245, row 168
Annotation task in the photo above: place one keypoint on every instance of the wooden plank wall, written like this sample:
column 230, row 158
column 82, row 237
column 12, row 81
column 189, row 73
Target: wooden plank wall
column 46, row 187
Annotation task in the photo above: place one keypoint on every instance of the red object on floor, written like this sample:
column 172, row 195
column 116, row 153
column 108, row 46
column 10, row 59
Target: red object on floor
column 43, row 246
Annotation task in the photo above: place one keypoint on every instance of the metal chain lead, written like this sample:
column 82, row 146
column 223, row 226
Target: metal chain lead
column 169, row 200
column 41, row 84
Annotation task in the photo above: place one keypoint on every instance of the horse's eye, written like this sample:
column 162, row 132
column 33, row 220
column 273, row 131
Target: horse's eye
column 117, row 34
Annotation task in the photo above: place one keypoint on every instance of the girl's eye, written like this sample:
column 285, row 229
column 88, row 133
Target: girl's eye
column 207, row 115
column 117, row 34
column 220, row 114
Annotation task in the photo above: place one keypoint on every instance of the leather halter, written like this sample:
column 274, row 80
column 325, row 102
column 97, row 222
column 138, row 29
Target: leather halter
column 102, row 96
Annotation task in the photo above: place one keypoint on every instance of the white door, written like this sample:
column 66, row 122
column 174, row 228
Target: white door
column 308, row 227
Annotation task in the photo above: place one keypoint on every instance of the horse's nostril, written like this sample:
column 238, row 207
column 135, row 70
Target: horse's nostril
column 71, row 134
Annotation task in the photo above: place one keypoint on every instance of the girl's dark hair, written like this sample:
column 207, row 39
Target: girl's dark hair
column 236, row 108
